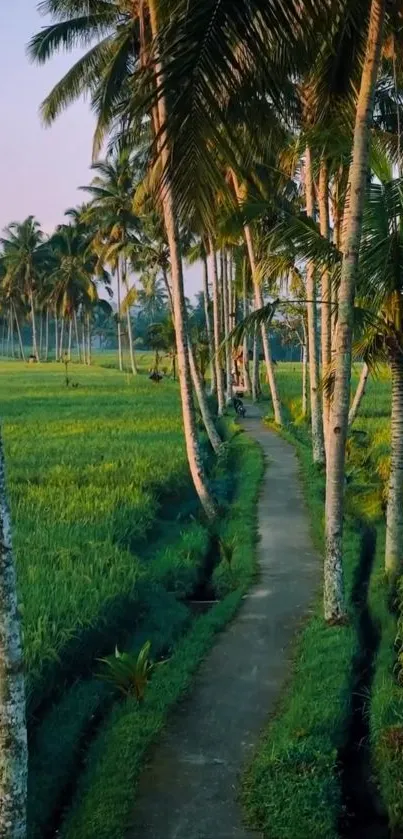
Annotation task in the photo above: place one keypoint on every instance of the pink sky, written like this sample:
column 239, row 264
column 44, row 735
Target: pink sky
column 40, row 168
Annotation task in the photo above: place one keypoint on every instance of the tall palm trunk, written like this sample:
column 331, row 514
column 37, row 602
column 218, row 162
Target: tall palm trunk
column 56, row 337
column 19, row 333
column 47, row 334
column 70, row 338
column 76, row 335
column 334, row 606
column 326, row 304
column 259, row 304
column 245, row 348
column 34, row 340
column 168, row 206
column 120, row 355
column 13, row 730
column 12, row 331
column 84, row 343
column 304, row 370
column 212, row 432
column 210, row 338
column 8, row 336
column 40, row 333
column 168, row 288
column 318, row 445
column 275, row 398
column 61, row 341
column 227, row 288
column 361, row 388
column 133, row 364
column 394, row 514
column 212, row 261
column 88, row 319
column 255, row 369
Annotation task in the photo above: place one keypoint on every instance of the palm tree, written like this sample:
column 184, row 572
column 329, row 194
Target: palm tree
column 337, row 434
column 130, row 37
column 318, row 443
column 111, row 209
column 24, row 258
column 151, row 294
column 72, row 279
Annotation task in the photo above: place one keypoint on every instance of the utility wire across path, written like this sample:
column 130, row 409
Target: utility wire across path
column 190, row 787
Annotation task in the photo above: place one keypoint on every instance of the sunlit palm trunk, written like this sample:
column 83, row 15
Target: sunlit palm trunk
column 210, row 339
column 119, row 317
column 33, row 319
column 129, row 325
column 255, row 369
column 318, row 444
column 13, row 732
column 76, row 335
column 326, row 310
column 212, row 432
column 259, row 304
column 334, row 606
column 19, row 333
column 394, row 514
column 361, row 387
column 227, row 289
column 189, row 420
column 275, row 398
column 212, row 261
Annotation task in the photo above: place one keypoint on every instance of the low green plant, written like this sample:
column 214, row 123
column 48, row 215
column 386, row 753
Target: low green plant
column 227, row 550
column 129, row 672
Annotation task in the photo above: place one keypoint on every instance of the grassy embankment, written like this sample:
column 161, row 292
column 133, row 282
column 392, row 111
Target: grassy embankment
column 297, row 784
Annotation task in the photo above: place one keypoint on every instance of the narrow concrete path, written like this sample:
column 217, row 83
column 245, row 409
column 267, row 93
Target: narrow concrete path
column 189, row 788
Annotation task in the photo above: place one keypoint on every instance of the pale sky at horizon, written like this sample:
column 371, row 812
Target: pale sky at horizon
column 41, row 168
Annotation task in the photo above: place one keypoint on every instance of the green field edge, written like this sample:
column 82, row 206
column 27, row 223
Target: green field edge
column 114, row 756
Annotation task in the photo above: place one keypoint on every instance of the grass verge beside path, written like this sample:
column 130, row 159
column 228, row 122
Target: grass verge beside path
column 386, row 708
column 104, row 798
column 293, row 787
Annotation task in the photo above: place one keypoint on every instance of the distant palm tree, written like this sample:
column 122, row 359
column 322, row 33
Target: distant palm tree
column 117, row 226
column 151, row 294
column 24, row 258
column 72, row 279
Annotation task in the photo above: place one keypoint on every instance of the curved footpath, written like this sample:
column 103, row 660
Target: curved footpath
column 189, row 788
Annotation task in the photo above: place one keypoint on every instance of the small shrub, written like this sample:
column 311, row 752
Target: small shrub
column 128, row 672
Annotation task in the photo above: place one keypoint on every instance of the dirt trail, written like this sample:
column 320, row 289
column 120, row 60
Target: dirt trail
column 189, row 788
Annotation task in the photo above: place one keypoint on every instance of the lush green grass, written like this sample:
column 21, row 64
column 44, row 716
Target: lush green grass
column 105, row 793
column 89, row 471
column 293, row 786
